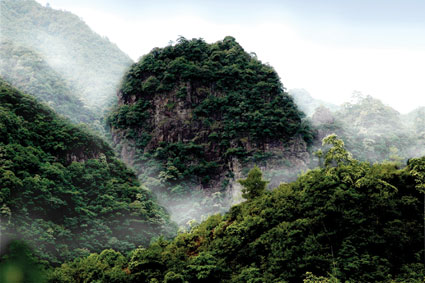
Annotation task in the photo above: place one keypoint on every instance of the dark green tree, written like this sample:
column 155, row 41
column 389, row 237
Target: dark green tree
column 254, row 185
column 172, row 277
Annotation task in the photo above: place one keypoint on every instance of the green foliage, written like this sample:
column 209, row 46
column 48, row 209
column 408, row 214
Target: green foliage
column 62, row 190
column 172, row 277
column 311, row 278
column 249, row 275
column 417, row 166
column 108, row 266
column 337, row 153
column 18, row 264
column 348, row 221
column 254, row 185
column 204, row 268
column 130, row 116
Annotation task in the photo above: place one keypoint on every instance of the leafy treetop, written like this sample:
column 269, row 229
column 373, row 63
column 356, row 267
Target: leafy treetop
column 254, row 185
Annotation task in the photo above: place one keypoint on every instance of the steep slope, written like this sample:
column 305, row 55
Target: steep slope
column 191, row 114
column 61, row 188
column 87, row 61
column 348, row 221
column 28, row 71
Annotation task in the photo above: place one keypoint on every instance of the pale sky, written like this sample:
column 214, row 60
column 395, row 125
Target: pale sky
column 328, row 47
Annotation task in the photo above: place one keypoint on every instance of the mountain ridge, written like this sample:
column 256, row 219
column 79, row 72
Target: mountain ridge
column 90, row 63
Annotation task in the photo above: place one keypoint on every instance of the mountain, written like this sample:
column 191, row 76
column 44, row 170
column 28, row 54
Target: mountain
column 416, row 120
column 372, row 131
column 307, row 103
column 89, row 63
column 347, row 221
column 190, row 116
column 63, row 191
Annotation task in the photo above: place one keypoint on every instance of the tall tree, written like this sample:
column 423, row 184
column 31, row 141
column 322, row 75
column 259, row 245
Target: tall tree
column 254, row 185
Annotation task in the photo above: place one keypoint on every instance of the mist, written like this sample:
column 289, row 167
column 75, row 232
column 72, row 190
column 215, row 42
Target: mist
column 377, row 48
column 90, row 64
column 371, row 130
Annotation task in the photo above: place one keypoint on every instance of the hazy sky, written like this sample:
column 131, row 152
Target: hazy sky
column 328, row 47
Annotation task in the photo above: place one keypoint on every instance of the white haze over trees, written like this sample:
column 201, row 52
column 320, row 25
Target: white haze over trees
column 87, row 61
column 330, row 48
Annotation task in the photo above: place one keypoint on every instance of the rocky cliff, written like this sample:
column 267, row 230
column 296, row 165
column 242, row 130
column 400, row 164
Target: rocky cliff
column 191, row 116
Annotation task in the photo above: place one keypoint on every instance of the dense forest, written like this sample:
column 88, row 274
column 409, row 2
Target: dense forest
column 62, row 189
column 345, row 221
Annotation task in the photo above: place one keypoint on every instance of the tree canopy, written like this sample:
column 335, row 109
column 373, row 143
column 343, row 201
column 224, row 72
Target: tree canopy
column 254, row 185
column 346, row 221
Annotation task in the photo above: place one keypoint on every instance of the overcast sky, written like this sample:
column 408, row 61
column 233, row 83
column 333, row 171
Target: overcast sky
column 328, row 47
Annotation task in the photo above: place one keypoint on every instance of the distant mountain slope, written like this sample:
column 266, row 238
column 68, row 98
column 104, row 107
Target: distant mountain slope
column 88, row 62
column 416, row 120
column 61, row 188
column 372, row 130
column 28, row 71
column 308, row 103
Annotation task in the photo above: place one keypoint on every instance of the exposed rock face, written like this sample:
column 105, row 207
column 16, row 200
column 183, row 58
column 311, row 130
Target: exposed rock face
column 190, row 117
column 176, row 125
column 283, row 166
column 80, row 157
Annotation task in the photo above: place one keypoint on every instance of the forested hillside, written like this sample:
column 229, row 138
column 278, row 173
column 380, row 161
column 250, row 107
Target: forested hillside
column 347, row 221
column 28, row 71
column 372, row 130
column 191, row 115
column 89, row 63
column 63, row 191
column 416, row 121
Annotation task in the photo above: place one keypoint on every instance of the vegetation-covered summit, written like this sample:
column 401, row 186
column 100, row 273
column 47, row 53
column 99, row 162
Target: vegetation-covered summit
column 61, row 188
column 195, row 107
